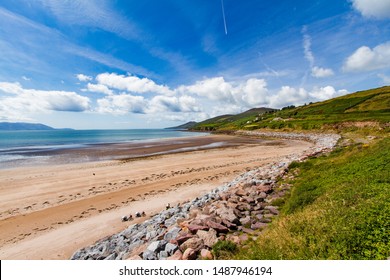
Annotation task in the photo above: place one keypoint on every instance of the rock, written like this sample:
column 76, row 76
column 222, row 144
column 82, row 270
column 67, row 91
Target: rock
column 247, row 230
column 183, row 238
column 245, row 221
column 265, row 188
column 195, row 243
column 172, row 233
column 217, row 227
column 153, row 249
column 171, row 249
column 258, row 225
column 234, row 238
column 227, row 214
column 241, row 192
column 163, row 255
column 272, row 209
column 262, row 195
column 206, row 254
column 189, row 254
column 209, row 237
column 229, row 224
column 194, row 228
column 178, row 255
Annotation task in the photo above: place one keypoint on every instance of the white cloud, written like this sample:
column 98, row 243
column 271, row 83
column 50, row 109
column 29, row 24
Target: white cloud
column 319, row 72
column 288, row 96
column 121, row 104
column 83, row 78
column 293, row 96
column 373, row 8
column 252, row 92
column 367, row 59
column 26, row 78
column 23, row 101
column 324, row 93
column 132, row 84
column 163, row 103
column 99, row 88
column 307, row 47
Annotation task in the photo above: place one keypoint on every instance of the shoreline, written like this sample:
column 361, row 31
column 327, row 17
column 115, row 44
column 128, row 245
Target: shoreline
column 99, row 152
column 233, row 212
column 67, row 204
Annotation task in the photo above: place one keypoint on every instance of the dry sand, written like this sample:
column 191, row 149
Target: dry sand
column 48, row 212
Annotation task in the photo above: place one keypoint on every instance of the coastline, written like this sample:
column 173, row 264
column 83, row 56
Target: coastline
column 74, row 205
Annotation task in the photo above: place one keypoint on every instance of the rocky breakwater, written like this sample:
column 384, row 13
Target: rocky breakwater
column 235, row 212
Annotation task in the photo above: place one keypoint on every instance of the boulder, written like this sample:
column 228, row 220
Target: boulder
column 258, row 225
column 193, row 228
column 217, row 227
column 227, row 214
column 172, row 233
column 206, row 254
column 245, row 221
column 183, row 238
column 153, row 249
column 209, row 237
column 195, row 243
column 178, row 255
column 189, row 254
column 171, row 249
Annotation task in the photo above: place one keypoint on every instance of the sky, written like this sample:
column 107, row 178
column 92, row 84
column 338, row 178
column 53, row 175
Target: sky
column 123, row 64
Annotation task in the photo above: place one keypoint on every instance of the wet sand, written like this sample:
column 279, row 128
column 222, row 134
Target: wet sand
column 50, row 211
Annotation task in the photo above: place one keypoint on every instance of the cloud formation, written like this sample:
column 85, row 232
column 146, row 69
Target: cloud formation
column 319, row 72
column 373, row 8
column 23, row 101
column 316, row 72
column 249, row 93
column 132, row 84
column 83, row 78
column 367, row 59
column 297, row 96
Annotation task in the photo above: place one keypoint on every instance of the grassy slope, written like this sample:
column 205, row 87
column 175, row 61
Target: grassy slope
column 226, row 122
column 339, row 205
column 369, row 105
column 339, row 208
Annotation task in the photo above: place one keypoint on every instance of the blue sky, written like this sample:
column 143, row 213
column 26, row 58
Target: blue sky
column 151, row 64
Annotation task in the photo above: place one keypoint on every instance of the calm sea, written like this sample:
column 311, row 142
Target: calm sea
column 19, row 146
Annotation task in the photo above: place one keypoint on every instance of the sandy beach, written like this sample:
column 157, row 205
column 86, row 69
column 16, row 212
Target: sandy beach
column 51, row 210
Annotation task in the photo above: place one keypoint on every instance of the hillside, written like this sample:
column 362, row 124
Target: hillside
column 226, row 122
column 185, row 126
column 335, row 206
column 24, row 126
column 363, row 108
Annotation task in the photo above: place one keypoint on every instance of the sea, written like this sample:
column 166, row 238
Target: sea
column 19, row 148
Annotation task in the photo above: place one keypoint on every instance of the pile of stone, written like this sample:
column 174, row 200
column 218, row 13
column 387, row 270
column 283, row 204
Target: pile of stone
column 234, row 212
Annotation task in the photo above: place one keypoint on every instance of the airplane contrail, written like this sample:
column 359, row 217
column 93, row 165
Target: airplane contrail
column 224, row 19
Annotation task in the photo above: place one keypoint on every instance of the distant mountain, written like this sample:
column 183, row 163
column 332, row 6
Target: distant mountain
column 24, row 126
column 188, row 125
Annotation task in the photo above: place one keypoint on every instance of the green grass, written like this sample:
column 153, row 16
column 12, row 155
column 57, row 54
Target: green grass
column 365, row 106
column 339, row 208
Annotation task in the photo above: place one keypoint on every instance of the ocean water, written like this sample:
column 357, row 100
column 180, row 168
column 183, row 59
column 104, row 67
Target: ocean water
column 19, row 146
